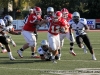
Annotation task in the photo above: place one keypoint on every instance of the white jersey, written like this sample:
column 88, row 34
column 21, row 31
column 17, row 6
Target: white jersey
column 2, row 24
column 41, row 51
column 79, row 27
column 8, row 28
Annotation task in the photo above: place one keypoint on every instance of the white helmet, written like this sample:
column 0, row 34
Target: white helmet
column 50, row 9
column 44, row 42
column 8, row 19
column 75, row 16
column 30, row 11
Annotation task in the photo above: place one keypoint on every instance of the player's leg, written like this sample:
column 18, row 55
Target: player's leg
column 58, row 45
column 52, row 45
column 79, row 41
column 20, row 51
column 89, row 46
column 36, row 34
column 62, row 36
column 71, row 43
column 31, row 42
column 83, row 46
column 3, row 48
column 4, row 42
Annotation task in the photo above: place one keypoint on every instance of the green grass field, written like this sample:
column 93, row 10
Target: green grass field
column 68, row 65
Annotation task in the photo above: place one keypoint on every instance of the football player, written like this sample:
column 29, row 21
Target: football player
column 49, row 16
column 3, row 34
column 57, row 23
column 80, row 28
column 67, row 16
column 27, row 32
column 43, row 50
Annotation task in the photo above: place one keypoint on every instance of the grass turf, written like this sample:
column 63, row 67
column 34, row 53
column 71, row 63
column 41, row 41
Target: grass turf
column 68, row 65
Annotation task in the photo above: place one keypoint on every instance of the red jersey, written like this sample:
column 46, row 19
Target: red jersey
column 68, row 18
column 30, row 25
column 55, row 26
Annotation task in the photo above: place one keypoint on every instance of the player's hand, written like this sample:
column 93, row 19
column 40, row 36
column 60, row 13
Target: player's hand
column 45, row 16
column 19, row 33
column 62, row 30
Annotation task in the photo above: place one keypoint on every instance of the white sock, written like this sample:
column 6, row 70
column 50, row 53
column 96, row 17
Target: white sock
column 10, row 54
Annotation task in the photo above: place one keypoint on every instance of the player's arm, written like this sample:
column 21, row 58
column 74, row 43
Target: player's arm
column 11, row 31
column 64, row 27
column 44, row 21
column 86, row 26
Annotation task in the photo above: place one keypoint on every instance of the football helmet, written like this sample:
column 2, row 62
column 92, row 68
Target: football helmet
column 50, row 11
column 37, row 10
column 65, row 13
column 44, row 42
column 8, row 20
column 30, row 11
column 44, row 45
column 75, row 16
column 57, row 15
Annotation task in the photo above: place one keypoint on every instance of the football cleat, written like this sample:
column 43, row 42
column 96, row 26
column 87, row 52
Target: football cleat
column 93, row 57
column 20, row 53
column 12, row 58
column 72, row 52
column 4, row 51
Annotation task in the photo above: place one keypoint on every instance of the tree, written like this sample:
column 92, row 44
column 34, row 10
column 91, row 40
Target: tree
column 94, row 9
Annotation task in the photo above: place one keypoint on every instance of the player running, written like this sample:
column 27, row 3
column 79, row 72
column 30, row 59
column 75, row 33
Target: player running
column 57, row 25
column 3, row 34
column 27, row 32
column 67, row 16
column 80, row 27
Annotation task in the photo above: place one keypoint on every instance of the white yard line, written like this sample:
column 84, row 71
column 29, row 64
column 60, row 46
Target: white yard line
column 77, row 71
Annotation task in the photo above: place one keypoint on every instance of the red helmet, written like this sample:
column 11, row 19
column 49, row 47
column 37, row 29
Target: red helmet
column 64, row 10
column 37, row 10
column 65, row 13
column 57, row 15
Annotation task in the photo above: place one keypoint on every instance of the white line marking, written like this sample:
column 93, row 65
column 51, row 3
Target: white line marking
column 77, row 71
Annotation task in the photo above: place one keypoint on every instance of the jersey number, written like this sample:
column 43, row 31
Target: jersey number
column 55, row 29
